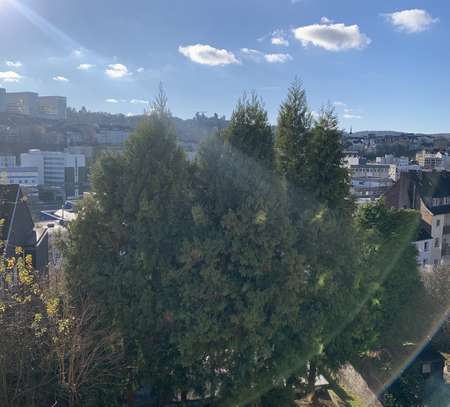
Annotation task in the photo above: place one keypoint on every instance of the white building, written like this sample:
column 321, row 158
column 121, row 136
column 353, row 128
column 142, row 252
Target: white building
column 351, row 158
column 24, row 176
column 370, row 171
column 437, row 216
column 424, row 243
column 53, row 165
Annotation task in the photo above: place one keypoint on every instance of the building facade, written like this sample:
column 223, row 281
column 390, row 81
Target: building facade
column 25, row 103
column 31, row 104
column 58, row 169
column 53, row 107
column 23, row 176
column 429, row 193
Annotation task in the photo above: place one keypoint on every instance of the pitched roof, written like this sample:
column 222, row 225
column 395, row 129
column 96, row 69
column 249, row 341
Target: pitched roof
column 9, row 194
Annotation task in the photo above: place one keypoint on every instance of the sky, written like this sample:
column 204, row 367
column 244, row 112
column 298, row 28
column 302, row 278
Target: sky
column 383, row 64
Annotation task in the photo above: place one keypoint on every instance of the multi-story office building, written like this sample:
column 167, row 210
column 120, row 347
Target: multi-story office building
column 31, row 104
column 58, row 169
column 52, row 107
column 3, row 101
column 22, row 103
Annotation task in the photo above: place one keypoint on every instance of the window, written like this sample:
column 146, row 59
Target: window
column 436, row 242
column 424, row 262
column 436, row 262
column 438, row 223
column 426, row 246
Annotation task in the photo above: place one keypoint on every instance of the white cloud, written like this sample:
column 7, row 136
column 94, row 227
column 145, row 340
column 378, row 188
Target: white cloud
column 10, row 76
column 339, row 104
column 60, row 78
column 116, row 71
column 332, row 37
column 326, row 20
column 85, row 67
column 352, row 116
column 278, row 40
column 140, row 70
column 207, row 55
column 411, row 21
column 277, row 58
column 258, row 56
column 13, row 64
column 253, row 54
column 139, row 101
column 111, row 100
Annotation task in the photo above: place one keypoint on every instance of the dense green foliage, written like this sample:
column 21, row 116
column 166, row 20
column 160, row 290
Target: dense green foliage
column 243, row 275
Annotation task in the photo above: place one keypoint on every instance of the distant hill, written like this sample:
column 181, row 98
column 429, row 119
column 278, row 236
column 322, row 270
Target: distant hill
column 192, row 130
column 43, row 133
column 381, row 133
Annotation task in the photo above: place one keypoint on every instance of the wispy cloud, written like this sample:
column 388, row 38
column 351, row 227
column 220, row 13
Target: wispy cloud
column 332, row 37
column 139, row 102
column 252, row 54
column 411, row 21
column 207, row 55
column 280, row 41
column 60, row 78
column 279, row 38
column 278, row 58
column 258, row 56
column 117, row 71
column 78, row 53
column 111, row 100
column 326, row 20
column 338, row 103
column 10, row 76
column 13, row 64
column 85, row 67
column 140, row 69
column 350, row 114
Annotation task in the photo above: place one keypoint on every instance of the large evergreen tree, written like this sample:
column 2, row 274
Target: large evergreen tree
column 242, row 279
column 293, row 127
column 325, row 177
column 126, row 243
column 249, row 130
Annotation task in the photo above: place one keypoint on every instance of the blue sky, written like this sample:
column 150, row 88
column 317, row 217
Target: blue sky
column 384, row 63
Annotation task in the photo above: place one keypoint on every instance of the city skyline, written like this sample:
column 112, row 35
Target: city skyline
column 381, row 65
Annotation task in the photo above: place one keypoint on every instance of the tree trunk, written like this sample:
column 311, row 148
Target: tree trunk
column 311, row 384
